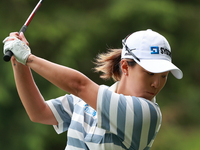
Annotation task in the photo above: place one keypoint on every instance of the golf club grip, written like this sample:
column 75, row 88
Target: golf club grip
column 9, row 53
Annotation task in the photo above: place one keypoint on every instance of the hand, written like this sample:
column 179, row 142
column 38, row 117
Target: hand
column 18, row 45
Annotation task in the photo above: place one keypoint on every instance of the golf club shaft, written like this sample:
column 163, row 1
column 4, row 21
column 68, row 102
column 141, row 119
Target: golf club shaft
column 9, row 53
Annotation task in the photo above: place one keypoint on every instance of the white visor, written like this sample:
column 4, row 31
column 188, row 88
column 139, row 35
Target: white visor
column 151, row 51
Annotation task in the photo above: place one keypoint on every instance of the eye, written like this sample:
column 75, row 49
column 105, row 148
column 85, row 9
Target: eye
column 150, row 73
column 164, row 76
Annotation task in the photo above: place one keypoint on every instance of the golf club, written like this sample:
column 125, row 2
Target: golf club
column 9, row 53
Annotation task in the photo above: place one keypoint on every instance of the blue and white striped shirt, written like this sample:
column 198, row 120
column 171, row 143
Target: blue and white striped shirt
column 120, row 122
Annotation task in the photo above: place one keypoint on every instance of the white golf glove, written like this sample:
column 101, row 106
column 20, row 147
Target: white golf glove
column 19, row 48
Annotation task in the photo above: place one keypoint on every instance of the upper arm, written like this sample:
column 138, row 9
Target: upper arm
column 66, row 78
column 46, row 116
column 88, row 91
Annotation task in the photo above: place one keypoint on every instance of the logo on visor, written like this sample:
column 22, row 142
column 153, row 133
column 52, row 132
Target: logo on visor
column 154, row 50
column 162, row 50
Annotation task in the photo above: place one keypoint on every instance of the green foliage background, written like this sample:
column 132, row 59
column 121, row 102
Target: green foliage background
column 72, row 33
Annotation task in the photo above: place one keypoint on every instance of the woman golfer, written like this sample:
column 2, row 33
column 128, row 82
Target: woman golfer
column 97, row 117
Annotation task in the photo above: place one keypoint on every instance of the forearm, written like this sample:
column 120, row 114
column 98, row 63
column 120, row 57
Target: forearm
column 30, row 96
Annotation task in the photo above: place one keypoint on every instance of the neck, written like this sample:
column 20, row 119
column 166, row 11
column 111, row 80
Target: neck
column 122, row 88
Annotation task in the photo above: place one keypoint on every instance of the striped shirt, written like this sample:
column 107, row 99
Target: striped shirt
column 120, row 122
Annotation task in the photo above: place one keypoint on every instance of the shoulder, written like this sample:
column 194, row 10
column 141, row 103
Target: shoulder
column 65, row 101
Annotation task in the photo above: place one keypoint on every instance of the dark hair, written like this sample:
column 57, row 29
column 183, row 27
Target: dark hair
column 110, row 64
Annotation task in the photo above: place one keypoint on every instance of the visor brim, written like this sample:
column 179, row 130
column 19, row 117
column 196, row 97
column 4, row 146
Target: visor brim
column 160, row 66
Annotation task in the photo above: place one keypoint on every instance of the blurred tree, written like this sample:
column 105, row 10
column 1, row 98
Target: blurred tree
column 72, row 33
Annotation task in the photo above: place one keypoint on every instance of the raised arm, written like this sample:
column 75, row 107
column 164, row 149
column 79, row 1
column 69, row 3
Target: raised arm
column 68, row 79
column 32, row 100
column 65, row 78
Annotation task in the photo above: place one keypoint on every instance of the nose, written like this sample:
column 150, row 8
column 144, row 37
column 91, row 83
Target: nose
column 156, row 82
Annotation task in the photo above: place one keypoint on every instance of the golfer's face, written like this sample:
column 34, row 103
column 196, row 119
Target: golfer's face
column 145, row 84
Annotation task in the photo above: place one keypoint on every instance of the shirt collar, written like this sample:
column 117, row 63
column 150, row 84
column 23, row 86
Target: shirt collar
column 113, row 88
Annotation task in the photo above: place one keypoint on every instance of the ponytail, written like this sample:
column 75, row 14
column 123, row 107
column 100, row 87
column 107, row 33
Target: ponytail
column 109, row 64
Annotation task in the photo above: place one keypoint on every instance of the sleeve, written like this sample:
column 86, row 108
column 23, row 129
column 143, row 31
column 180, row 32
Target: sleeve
column 62, row 108
column 134, row 120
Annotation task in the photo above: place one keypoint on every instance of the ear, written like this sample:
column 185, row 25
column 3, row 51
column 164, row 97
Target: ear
column 124, row 66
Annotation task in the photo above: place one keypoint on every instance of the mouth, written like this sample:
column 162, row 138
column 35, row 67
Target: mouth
column 148, row 95
column 151, row 95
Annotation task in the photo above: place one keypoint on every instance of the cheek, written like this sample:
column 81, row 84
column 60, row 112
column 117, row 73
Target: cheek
column 139, row 85
column 163, row 84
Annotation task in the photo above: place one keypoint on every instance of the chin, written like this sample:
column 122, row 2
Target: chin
column 147, row 97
